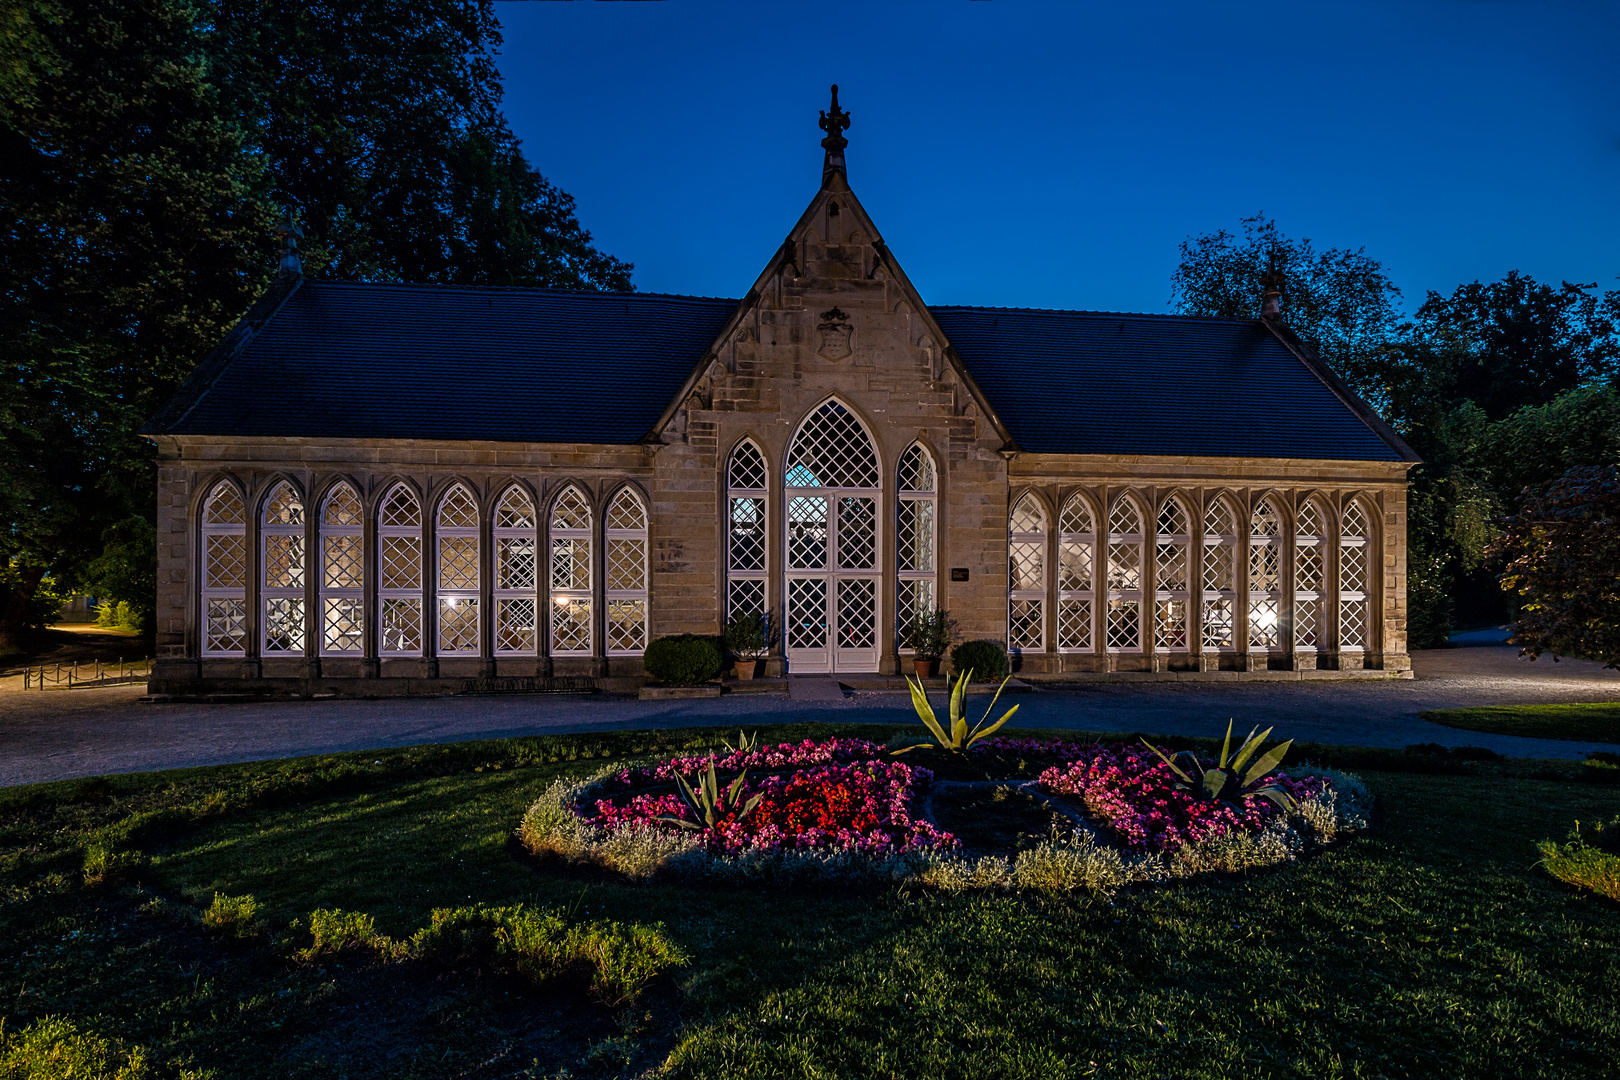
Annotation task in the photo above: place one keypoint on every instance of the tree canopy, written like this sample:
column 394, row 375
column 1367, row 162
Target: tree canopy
column 146, row 149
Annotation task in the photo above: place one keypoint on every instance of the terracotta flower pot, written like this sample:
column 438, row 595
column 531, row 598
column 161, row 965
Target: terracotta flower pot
column 926, row 669
column 747, row 669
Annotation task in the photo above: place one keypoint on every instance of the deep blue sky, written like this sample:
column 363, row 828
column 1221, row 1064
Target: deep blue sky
column 1054, row 154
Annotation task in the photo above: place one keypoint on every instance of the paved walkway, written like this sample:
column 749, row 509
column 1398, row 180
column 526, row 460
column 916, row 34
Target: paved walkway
column 54, row 735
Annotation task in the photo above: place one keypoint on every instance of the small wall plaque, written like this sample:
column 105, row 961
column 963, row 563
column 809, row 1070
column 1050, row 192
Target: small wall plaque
column 959, row 573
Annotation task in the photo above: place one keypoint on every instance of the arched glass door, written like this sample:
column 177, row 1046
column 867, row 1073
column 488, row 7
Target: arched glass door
column 832, row 562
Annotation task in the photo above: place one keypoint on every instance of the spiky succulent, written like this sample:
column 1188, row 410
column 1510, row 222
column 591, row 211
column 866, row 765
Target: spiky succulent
column 960, row 738
column 706, row 801
column 1228, row 780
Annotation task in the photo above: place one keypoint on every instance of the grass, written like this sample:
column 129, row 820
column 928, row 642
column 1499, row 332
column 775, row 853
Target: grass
column 1431, row 946
column 1580, row 722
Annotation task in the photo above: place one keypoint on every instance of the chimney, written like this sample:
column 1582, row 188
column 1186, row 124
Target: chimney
column 1271, row 294
column 287, row 235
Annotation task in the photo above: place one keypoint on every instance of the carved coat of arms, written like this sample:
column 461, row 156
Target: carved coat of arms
column 835, row 331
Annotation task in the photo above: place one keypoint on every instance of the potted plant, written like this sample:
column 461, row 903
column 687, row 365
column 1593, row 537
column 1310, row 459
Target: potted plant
column 929, row 636
column 748, row 636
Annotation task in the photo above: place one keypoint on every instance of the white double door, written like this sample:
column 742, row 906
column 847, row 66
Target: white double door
column 833, row 573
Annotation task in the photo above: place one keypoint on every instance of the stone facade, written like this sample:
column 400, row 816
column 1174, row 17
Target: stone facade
column 832, row 318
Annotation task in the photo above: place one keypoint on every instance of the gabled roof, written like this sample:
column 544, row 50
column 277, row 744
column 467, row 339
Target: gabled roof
column 434, row 362
column 1075, row 382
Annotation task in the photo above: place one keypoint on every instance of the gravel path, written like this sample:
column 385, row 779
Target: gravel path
column 54, row 735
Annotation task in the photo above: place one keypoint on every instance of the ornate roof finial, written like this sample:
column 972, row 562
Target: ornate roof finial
column 288, row 233
column 834, row 121
column 1271, row 287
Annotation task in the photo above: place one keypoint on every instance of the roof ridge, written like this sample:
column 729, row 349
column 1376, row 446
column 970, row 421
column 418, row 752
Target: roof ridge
column 1168, row 315
column 480, row 289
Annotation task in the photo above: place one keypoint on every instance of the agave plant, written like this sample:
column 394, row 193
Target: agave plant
column 745, row 743
column 959, row 738
column 707, row 802
column 1228, row 781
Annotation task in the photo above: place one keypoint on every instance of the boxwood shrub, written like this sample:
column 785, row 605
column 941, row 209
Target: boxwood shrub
column 682, row 660
column 986, row 659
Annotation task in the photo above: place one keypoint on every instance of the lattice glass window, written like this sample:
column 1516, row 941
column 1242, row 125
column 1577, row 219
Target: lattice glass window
column 517, row 574
column 1172, row 576
column 399, row 573
column 832, row 450
column 1353, row 573
column 915, row 516
column 1309, row 575
column 626, row 574
column 224, row 576
column 1026, row 575
column 1219, row 596
column 1265, row 576
column 456, row 536
column 281, row 532
column 747, row 534
column 343, row 598
column 1077, row 545
column 1123, row 632
column 571, row 576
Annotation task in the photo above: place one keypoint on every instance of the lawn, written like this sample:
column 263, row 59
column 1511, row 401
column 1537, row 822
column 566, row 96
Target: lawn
column 1581, row 722
column 1429, row 946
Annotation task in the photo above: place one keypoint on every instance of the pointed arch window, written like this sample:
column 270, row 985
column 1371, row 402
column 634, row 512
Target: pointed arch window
column 343, row 598
column 224, row 576
column 399, row 573
column 1172, row 578
column 282, row 584
column 916, row 511
column 746, row 533
column 1353, row 567
column 571, row 577
column 517, row 574
column 1265, row 575
column 1026, row 575
column 832, row 450
column 1217, row 612
column 626, row 574
column 1077, row 545
column 456, row 536
column 1309, row 576
column 1125, row 541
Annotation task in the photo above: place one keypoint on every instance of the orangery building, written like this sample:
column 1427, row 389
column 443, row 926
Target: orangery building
column 384, row 489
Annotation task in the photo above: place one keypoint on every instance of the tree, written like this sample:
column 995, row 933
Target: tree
column 384, row 131
column 133, row 236
column 1339, row 301
column 147, row 148
column 1561, row 553
column 1516, row 342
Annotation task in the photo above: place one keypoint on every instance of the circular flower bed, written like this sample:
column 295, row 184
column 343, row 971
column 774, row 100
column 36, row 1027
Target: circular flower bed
column 837, row 809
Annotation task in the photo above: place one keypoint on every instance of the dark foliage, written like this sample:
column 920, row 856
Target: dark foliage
column 1561, row 554
column 986, row 659
column 684, row 660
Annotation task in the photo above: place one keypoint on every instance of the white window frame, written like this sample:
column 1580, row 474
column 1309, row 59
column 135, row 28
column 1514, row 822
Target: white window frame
column 1080, row 543
column 1035, row 540
column 207, row 591
column 919, row 495
column 622, row 594
column 572, row 595
column 1307, row 544
column 455, row 596
column 506, row 595
column 739, row 489
column 1178, row 544
column 295, row 595
column 1218, row 547
column 408, row 594
column 1121, row 595
column 352, row 595
column 1353, row 587
column 1257, row 630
